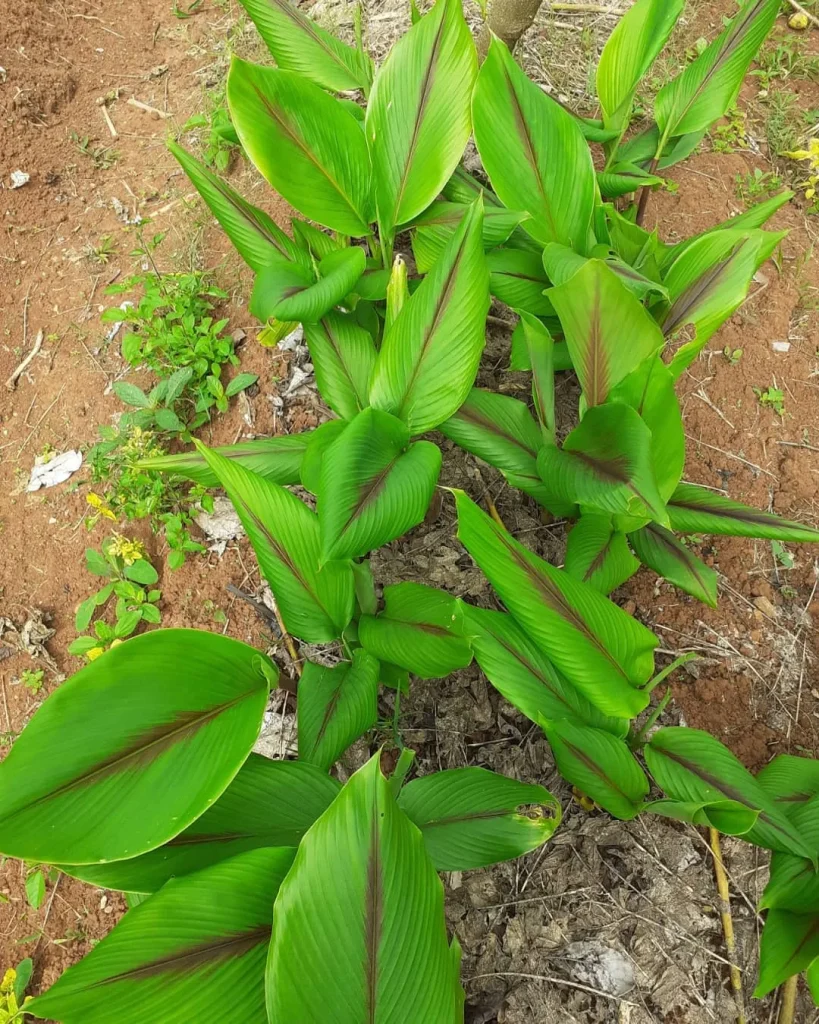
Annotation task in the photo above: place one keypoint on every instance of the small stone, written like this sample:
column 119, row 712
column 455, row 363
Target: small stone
column 765, row 606
column 19, row 178
column 798, row 22
column 781, row 346
column 629, row 607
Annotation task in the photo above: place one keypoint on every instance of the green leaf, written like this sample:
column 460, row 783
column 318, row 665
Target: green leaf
column 630, row 51
column 690, row 765
column 315, row 604
column 268, row 803
column 418, row 119
column 521, row 673
column 623, row 179
column 420, row 629
column 471, row 817
column 24, row 971
column 517, row 279
column 286, row 293
column 257, row 238
column 794, row 881
column 660, row 550
column 35, row 889
column 313, row 240
column 605, row 463
column 299, row 44
column 728, row 816
column 603, row 651
column 501, row 431
column 323, row 437
column 790, row 944
column 600, row 765
column 84, row 614
column 434, row 228
column 335, row 707
column 541, row 358
column 430, row 355
column 239, row 383
column 343, row 356
column 707, row 87
column 309, row 148
column 82, row 645
column 533, row 151
column 174, row 957
column 598, row 554
column 141, row 571
column 693, row 509
column 97, row 564
column 275, row 458
column 376, row 951
column 84, row 782
column 150, row 613
column 131, row 394
column 597, row 311
column 374, row 485
column 166, row 419
column 790, row 780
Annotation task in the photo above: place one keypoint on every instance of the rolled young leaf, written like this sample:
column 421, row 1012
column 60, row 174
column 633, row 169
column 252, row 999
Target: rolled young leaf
column 608, row 331
column 275, row 458
column 268, row 803
column 322, row 438
column 598, row 554
column 87, row 780
column 660, row 550
column 335, row 707
column 601, row 650
column 689, row 764
column 374, row 485
column 420, row 629
column 728, row 816
column 600, row 765
column 521, row 673
column 173, row 957
column 471, row 817
column 308, row 146
column 343, row 356
column 790, row 944
column 430, row 355
column 282, row 295
column 299, row 44
column 533, row 151
column 315, row 604
column 378, row 949
column 693, row 509
column 418, row 118
column 540, row 347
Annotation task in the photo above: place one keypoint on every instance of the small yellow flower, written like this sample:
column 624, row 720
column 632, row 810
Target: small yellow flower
column 94, row 653
column 129, row 551
column 96, row 502
column 116, row 642
column 9, row 978
column 810, row 193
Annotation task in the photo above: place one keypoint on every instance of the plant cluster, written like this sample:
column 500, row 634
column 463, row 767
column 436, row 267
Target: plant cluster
column 271, row 878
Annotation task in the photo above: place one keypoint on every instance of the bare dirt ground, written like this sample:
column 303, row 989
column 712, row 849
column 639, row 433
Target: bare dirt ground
column 540, row 936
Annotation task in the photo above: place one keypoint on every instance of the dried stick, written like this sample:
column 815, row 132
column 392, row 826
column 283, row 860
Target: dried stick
column 109, row 122
column 272, row 617
column 134, row 102
column 727, row 923
column 801, row 10
column 11, row 383
column 788, row 1007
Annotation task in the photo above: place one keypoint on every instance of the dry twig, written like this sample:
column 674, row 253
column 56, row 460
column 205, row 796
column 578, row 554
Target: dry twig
column 727, row 923
column 11, row 383
column 134, row 102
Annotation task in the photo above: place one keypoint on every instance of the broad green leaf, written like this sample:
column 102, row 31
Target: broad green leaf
column 601, row 650
column 605, row 463
column 540, row 348
column 276, row 458
column 812, row 978
column 608, row 331
column 794, row 881
column 623, row 179
column 628, row 54
column 434, row 228
column 299, row 44
column 501, row 431
column 690, row 765
column 464, row 188
column 660, row 550
column 533, row 151
column 430, row 355
column 709, row 85
column 256, row 236
column 315, row 604
column 649, row 390
column 315, row 242
column 131, row 394
column 377, row 951
column 471, row 817
column 519, row 670
column 728, row 816
column 600, row 765
column 335, row 707
column 87, row 780
column 374, row 485
column 630, row 241
column 282, row 295
column 320, row 442
column 175, row 957
column 418, row 118
column 517, row 279
column 598, row 554
column 141, row 571
column 371, row 286
column 420, row 629
column 693, row 509
column 365, row 587
column 268, row 803
column 241, row 382
column 309, row 148
column 343, row 356
column 789, row 945
column 642, row 148
column 790, row 780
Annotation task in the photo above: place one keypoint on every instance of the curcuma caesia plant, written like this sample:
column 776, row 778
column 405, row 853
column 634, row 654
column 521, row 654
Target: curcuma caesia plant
column 270, row 880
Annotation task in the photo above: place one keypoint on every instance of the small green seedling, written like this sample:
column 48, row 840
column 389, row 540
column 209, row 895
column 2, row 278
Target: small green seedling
column 781, row 554
column 733, row 355
column 757, row 184
column 32, row 679
column 772, row 398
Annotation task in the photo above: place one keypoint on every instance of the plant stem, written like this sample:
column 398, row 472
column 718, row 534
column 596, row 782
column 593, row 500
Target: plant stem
column 396, row 714
column 375, row 248
column 493, row 512
column 728, row 924
column 405, row 760
column 646, row 189
column 638, row 739
column 788, row 1005
column 666, row 672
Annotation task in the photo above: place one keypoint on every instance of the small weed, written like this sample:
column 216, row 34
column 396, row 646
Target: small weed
column 219, row 139
column 13, row 987
column 733, row 355
column 771, row 398
column 785, row 123
column 730, row 136
column 756, row 184
column 129, row 573
column 102, row 252
column 781, row 554
column 103, row 157
column 785, row 58
column 32, row 680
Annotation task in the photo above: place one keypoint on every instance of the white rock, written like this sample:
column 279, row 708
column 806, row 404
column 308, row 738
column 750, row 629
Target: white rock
column 600, row 967
column 221, row 525
column 781, row 346
column 53, row 471
column 19, row 178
